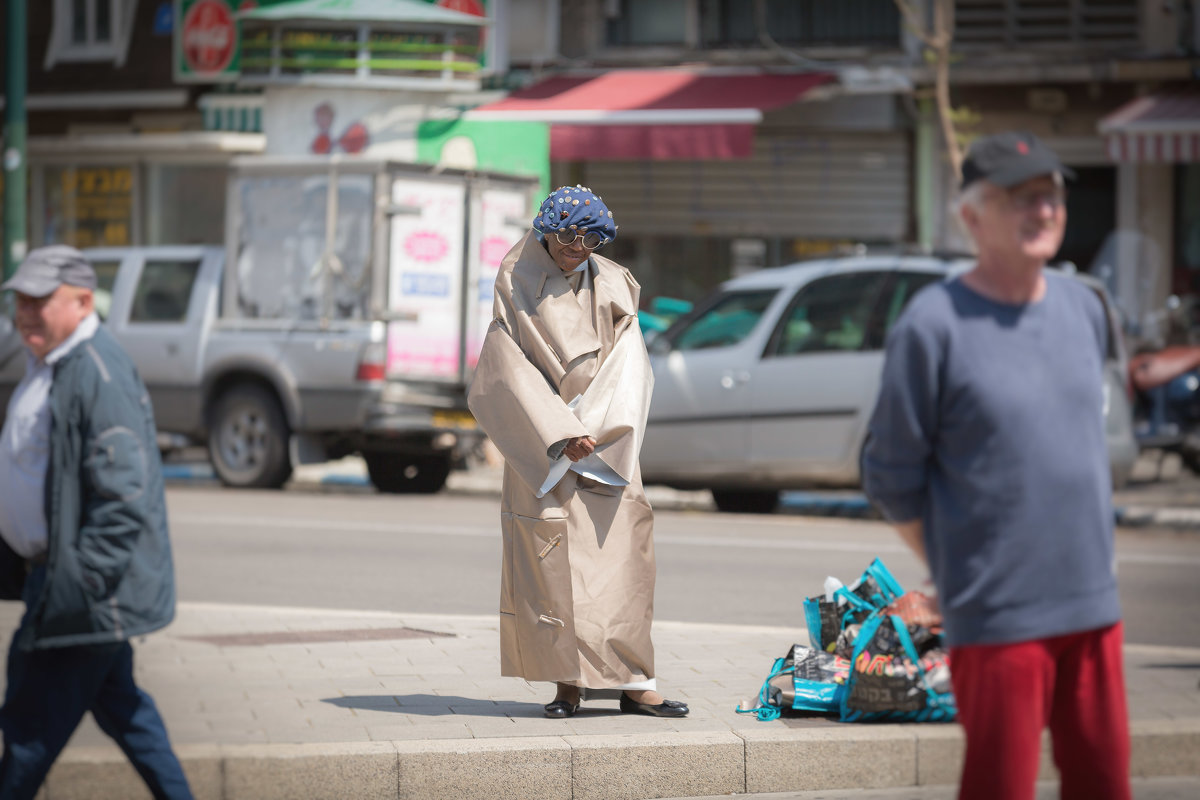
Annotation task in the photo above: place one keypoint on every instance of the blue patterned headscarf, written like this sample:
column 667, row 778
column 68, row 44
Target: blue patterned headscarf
column 576, row 208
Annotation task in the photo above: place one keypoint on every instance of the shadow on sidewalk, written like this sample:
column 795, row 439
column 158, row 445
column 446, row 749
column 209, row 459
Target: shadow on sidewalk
column 440, row 705
column 1171, row 666
column 435, row 705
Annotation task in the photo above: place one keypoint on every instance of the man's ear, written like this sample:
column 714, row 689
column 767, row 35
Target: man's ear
column 87, row 301
column 970, row 217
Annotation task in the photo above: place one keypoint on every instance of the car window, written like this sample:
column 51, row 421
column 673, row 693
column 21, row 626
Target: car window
column 726, row 322
column 106, row 275
column 830, row 314
column 902, row 290
column 164, row 291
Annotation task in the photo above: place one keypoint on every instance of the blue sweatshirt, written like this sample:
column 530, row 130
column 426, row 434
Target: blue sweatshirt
column 989, row 428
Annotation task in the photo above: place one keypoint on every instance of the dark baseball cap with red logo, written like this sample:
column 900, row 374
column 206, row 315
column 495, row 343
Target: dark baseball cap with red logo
column 1007, row 159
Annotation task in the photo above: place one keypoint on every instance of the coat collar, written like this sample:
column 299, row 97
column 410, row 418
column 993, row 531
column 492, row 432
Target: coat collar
column 568, row 327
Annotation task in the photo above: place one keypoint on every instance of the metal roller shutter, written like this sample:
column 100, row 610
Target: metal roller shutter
column 839, row 185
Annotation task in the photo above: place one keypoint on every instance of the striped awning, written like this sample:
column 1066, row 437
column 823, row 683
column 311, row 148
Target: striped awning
column 1155, row 129
column 653, row 114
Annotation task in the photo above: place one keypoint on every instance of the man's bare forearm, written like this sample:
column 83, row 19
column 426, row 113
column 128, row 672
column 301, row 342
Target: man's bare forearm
column 913, row 535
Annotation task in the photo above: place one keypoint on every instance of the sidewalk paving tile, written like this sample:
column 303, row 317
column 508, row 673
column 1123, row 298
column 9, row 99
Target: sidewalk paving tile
column 533, row 769
column 616, row 767
column 1166, row 747
column 101, row 773
column 366, row 770
column 829, row 758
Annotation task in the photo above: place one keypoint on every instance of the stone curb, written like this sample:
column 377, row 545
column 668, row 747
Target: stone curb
column 777, row 758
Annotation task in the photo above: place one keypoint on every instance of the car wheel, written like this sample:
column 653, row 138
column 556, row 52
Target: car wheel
column 403, row 473
column 746, row 501
column 248, row 439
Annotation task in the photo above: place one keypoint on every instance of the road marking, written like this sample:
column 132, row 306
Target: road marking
column 488, row 532
column 293, row 523
column 740, row 542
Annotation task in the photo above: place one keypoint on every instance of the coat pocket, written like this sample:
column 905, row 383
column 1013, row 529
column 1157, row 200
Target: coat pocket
column 536, row 581
column 116, row 464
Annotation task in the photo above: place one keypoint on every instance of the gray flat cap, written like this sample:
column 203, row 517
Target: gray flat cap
column 47, row 268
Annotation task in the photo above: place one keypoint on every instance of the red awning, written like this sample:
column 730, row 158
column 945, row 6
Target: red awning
column 651, row 114
column 1158, row 128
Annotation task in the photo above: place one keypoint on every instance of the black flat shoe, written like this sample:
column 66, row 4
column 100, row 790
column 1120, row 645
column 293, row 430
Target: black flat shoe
column 667, row 708
column 561, row 709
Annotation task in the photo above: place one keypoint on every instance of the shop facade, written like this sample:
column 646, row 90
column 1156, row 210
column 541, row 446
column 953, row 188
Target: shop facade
column 1154, row 142
column 714, row 172
column 121, row 190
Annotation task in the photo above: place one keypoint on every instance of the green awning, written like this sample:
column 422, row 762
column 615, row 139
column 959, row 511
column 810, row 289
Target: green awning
column 405, row 11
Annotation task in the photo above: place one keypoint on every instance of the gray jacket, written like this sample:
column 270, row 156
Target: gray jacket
column 108, row 572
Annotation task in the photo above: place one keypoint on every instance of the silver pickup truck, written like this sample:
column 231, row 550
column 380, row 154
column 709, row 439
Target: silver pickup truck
column 347, row 320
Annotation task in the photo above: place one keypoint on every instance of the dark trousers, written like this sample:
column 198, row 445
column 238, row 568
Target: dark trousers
column 47, row 694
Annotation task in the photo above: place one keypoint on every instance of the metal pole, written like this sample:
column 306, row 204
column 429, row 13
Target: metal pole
column 15, row 172
column 926, row 169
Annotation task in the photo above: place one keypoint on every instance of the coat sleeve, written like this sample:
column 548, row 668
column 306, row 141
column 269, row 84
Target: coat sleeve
column 117, row 470
column 615, row 407
column 901, row 433
column 517, row 407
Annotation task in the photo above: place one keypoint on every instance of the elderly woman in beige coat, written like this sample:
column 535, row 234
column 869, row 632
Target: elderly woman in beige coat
column 562, row 388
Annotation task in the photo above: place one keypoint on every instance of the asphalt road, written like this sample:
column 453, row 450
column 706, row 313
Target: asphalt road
column 440, row 554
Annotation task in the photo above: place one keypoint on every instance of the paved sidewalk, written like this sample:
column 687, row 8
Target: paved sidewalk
column 267, row 703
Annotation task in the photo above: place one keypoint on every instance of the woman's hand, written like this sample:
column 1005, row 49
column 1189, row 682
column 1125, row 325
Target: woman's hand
column 579, row 447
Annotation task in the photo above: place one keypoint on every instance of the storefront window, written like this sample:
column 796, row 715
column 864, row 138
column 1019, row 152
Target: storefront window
column 649, row 22
column 1187, row 217
column 115, row 205
column 88, row 206
column 801, row 22
column 1091, row 215
column 184, row 204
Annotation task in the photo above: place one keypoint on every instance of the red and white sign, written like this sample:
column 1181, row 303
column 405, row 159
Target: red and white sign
column 209, row 37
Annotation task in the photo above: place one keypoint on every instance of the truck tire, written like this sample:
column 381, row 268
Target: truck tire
column 404, row 473
column 746, row 501
column 248, row 439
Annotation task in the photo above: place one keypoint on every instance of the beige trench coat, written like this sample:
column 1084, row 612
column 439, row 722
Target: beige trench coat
column 577, row 586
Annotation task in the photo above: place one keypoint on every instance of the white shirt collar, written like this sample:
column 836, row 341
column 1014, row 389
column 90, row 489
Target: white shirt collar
column 85, row 330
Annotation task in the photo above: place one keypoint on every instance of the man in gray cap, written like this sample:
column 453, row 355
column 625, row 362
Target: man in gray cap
column 987, row 451
column 83, row 529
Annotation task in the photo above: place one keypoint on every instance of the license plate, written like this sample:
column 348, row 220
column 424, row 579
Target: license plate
column 454, row 419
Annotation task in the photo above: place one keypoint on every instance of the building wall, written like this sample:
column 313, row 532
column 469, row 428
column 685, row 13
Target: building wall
column 147, row 64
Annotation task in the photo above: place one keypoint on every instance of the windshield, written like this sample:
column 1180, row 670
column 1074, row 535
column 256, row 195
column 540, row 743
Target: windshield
column 284, row 268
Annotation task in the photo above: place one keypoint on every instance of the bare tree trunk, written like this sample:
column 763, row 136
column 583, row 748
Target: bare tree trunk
column 939, row 41
column 943, row 23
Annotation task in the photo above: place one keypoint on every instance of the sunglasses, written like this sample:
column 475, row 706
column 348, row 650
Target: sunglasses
column 591, row 239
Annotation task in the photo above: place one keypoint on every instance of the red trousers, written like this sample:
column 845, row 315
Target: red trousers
column 1008, row 693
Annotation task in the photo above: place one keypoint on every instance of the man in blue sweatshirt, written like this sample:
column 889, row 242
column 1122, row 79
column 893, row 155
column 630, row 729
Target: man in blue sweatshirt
column 987, row 452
